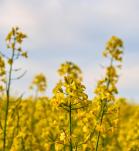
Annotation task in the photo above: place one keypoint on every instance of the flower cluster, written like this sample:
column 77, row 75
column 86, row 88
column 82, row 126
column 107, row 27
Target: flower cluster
column 39, row 83
column 14, row 40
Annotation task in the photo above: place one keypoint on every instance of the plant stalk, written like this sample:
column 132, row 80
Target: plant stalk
column 8, row 85
column 70, row 127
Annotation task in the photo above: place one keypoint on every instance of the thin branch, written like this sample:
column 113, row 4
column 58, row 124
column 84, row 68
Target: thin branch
column 20, row 76
column 18, row 69
column 3, row 55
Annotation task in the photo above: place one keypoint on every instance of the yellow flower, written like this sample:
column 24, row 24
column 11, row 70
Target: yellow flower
column 39, row 82
column 62, row 136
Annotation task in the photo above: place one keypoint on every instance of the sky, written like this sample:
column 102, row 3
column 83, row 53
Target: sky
column 74, row 30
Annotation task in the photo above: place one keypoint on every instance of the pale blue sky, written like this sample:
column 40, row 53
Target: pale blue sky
column 74, row 30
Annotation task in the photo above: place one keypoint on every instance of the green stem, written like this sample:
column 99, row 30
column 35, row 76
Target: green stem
column 103, row 109
column 98, row 137
column 7, row 101
column 70, row 127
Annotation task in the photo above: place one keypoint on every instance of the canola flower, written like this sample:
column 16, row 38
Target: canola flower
column 39, row 84
column 70, row 94
column 2, row 75
column 106, row 88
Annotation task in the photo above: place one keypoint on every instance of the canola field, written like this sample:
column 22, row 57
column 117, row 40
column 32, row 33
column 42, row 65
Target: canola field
column 69, row 120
